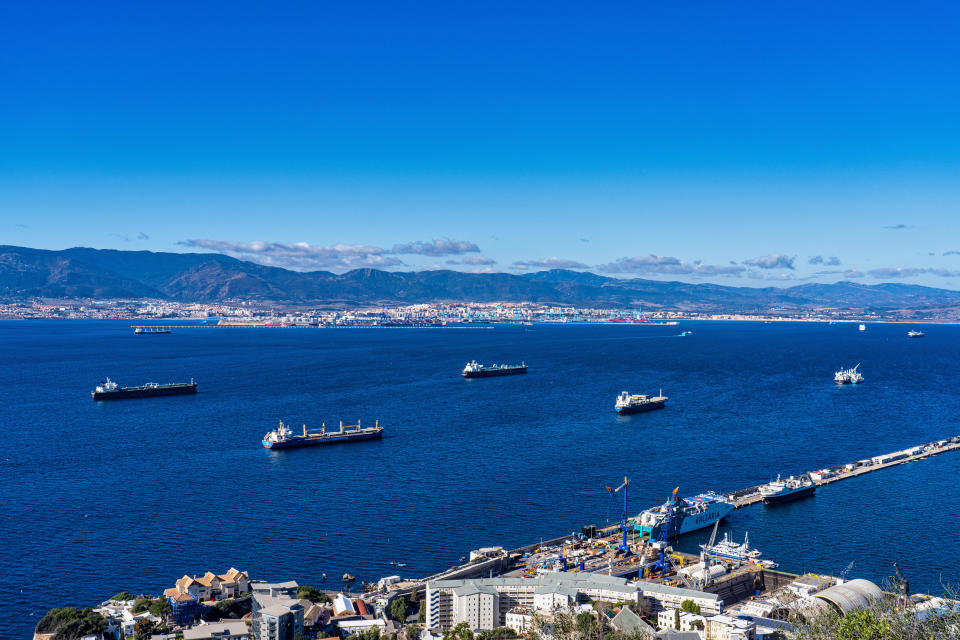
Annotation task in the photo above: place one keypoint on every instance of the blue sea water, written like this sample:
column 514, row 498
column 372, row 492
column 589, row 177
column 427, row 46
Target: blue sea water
column 130, row 495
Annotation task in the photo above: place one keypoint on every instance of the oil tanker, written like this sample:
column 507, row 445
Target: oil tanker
column 476, row 370
column 282, row 437
column 108, row 390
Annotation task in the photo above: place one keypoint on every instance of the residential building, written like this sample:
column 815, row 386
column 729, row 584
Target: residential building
column 210, row 586
column 354, row 625
column 484, row 603
column 656, row 597
column 223, row 630
column 679, row 620
column 727, row 628
column 275, row 612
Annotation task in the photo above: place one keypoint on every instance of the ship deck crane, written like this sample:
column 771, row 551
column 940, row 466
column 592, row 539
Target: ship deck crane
column 624, row 548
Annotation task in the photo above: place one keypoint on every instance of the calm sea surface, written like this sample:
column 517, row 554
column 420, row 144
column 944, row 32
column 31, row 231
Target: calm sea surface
column 131, row 495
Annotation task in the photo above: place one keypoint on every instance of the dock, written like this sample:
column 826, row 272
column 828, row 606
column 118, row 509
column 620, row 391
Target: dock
column 751, row 495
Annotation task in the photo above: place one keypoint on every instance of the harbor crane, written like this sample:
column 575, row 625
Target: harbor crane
column 664, row 534
column 846, row 572
column 624, row 548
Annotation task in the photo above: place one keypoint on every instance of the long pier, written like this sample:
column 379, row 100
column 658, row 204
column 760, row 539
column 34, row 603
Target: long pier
column 751, row 495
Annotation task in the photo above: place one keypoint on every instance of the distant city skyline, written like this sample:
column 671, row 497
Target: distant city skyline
column 753, row 146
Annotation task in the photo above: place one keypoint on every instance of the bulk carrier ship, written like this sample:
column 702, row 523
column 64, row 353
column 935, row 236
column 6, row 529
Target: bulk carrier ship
column 108, row 390
column 282, row 437
column 627, row 403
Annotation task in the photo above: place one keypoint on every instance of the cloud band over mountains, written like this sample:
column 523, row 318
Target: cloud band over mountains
column 303, row 256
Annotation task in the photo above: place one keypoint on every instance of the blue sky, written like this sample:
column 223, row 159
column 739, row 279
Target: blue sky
column 749, row 144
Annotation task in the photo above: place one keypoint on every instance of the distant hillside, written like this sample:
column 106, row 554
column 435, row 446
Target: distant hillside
column 206, row 277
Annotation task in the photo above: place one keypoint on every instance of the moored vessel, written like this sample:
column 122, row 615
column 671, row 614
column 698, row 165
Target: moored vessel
column 792, row 488
column 683, row 515
column 283, row 438
column 109, row 390
column 627, row 403
column 476, row 370
column 848, row 376
column 727, row 549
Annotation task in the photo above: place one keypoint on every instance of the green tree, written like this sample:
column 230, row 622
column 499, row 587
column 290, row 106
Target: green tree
column 141, row 605
column 690, row 606
column 123, row 595
column 586, row 625
column 676, row 618
column 160, row 607
column 414, row 596
column 862, row 625
column 413, row 631
column 399, row 608
column 460, row 632
column 422, row 616
column 313, row 595
column 143, row 629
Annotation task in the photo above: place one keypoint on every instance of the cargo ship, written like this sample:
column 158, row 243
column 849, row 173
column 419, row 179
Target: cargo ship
column 683, row 515
column 108, row 390
column 627, row 403
column 283, row 438
column 150, row 330
column 848, row 376
column 475, row 370
column 793, row 488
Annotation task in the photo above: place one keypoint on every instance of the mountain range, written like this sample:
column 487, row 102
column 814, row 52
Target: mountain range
column 83, row 273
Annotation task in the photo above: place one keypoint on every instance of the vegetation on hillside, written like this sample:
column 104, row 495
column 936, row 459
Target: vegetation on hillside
column 69, row 623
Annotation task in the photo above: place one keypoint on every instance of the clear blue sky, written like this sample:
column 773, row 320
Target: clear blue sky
column 699, row 141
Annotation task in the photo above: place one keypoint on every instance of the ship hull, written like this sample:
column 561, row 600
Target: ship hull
column 138, row 392
column 650, row 406
column 717, row 511
column 298, row 442
column 790, row 496
column 494, row 373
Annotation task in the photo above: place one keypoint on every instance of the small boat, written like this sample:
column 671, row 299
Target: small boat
column 915, row 334
column 863, row 327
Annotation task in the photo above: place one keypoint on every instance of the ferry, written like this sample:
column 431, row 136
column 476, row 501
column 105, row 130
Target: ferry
column 684, row 515
column 283, row 438
column 848, row 376
column 627, row 403
column 792, row 488
column 915, row 334
column 476, row 370
column 109, row 390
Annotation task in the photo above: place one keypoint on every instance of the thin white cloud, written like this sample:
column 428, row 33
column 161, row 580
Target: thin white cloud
column 771, row 261
column 301, row 256
column 911, row 272
column 548, row 263
column 668, row 265
column 832, row 261
column 436, row 248
column 474, row 260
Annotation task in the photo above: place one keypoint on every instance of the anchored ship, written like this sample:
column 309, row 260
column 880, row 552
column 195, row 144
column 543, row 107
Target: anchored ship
column 282, row 437
column 683, row 515
column 150, row 330
column 863, row 327
column 848, row 376
column 108, row 390
column 915, row 334
column 475, row 370
column 627, row 403
column 792, row 488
